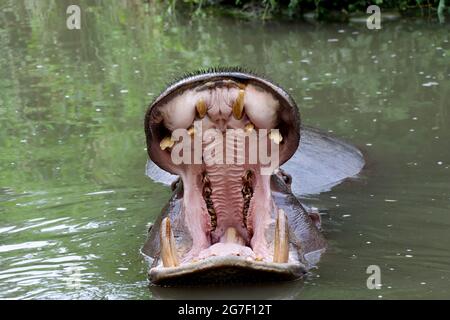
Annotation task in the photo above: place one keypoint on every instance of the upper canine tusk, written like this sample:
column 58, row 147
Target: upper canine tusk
column 275, row 136
column 238, row 105
column 165, row 143
column 201, row 108
column 281, row 245
column 169, row 254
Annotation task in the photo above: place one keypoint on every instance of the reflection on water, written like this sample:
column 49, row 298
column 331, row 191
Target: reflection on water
column 73, row 194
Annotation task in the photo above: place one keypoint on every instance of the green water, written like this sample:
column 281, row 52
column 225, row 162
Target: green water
column 73, row 194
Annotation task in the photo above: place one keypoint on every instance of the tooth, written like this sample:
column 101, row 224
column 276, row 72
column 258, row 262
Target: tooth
column 249, row 127
column 275, row 136
column 201, row 108
column 231, row 235
column 241, row 85
column 168, row 251
column 165, row 143
column 238, row 105
column 281, row 246
column 191, row 130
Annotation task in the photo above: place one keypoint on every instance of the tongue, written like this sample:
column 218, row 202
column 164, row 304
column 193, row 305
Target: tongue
column 231, row 243
column 227, row 249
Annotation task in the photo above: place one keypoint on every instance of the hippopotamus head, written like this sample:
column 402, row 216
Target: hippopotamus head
column 232, row 215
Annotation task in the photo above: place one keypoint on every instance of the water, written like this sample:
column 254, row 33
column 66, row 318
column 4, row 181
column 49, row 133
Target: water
column 74, row 200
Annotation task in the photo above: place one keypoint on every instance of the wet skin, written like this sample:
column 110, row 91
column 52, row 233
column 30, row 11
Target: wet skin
column 231, row 222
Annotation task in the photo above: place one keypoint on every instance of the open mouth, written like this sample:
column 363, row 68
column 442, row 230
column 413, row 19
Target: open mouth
column 226, row 219
column 238, row 240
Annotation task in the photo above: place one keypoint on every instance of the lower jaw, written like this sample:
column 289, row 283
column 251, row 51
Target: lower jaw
column 229, row 260
column 226, row 269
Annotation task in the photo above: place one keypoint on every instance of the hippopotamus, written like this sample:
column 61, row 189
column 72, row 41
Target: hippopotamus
column 235, row 214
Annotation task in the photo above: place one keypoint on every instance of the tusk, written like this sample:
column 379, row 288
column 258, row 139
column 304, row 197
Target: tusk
column 165, row 143
column 249, row 127
column 169, row 255
column 281, row 246
column 275, row 136
column 191, row 130
column 238, row 105
column 201, row 108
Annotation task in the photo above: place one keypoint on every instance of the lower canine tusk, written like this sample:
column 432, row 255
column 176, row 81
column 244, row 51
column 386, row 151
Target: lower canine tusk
column 168, row 250
column 281, row 246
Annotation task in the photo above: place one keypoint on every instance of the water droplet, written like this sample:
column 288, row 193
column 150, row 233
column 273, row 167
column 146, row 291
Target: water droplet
column 430, row 84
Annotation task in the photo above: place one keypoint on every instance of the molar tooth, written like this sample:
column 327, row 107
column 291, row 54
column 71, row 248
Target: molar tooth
column 169, row 254
column 201, row 108
column 165, row 143
column 238, row 105
column 275, row 136
column 249, row 127
column 281, row 245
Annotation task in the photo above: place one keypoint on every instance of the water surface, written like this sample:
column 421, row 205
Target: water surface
column 74, row 200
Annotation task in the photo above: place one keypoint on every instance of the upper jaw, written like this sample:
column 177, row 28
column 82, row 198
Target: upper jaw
column 265, row 104
column 225, row 226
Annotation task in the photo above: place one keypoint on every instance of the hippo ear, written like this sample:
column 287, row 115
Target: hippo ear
column 321, row 162
column 159, row 175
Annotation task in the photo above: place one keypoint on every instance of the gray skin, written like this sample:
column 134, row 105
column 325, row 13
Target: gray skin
column 318, row 164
